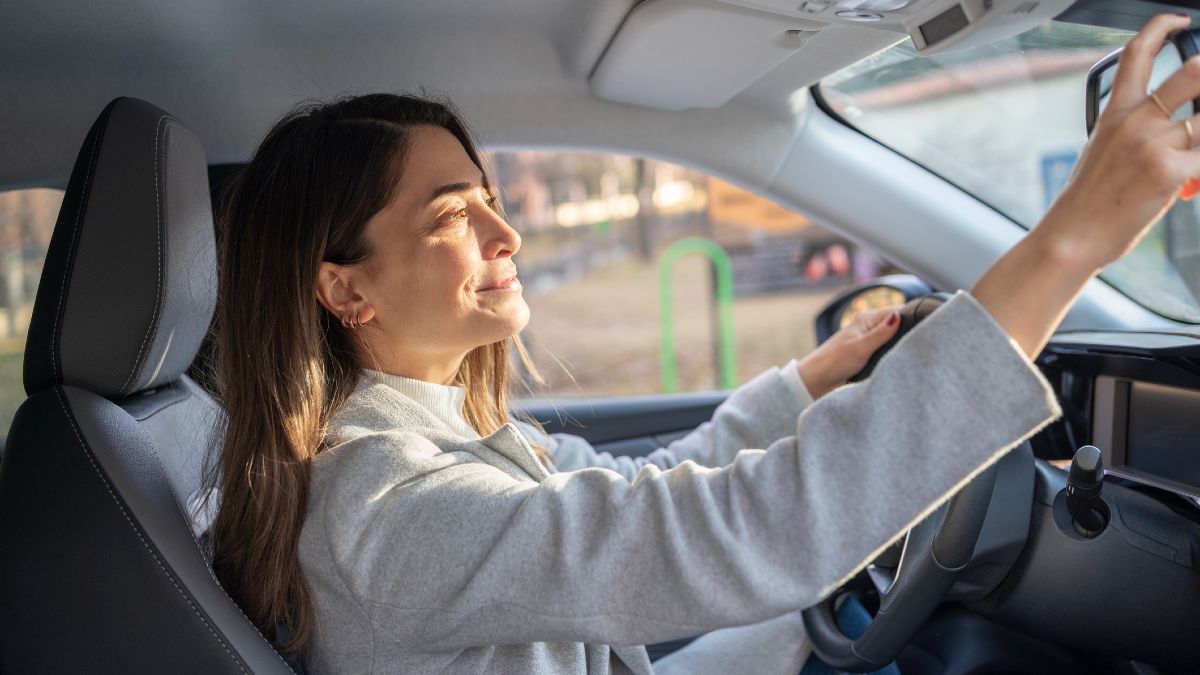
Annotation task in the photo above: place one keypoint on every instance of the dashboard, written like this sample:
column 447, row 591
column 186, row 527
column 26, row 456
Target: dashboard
column 1136, row 397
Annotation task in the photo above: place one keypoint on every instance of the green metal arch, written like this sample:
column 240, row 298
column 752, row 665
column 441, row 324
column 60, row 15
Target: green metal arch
column 724, row 307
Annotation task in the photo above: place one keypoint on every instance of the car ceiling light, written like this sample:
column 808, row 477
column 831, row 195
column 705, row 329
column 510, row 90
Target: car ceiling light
column 873, row 5
column 857, row 15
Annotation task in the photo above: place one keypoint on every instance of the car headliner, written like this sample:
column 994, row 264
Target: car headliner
column 518, row 69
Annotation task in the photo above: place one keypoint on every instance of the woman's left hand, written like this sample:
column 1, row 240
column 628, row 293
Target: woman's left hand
column 847, row 351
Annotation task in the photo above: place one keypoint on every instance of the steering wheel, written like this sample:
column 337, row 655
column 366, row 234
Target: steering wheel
column 935, row 551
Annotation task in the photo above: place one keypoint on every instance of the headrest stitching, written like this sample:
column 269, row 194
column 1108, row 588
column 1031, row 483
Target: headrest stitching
column 158, row 291
column 56, row 336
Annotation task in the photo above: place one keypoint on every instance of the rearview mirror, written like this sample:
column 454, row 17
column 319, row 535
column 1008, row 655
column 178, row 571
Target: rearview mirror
column 1178, row 48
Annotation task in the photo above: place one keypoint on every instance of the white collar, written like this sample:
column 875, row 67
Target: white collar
column 443, row 400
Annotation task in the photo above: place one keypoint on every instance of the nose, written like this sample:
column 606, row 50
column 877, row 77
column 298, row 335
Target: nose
column 499, row 238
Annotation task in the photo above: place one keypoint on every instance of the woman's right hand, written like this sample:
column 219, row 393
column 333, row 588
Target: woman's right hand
column 1128, row 176
column 1137, row 158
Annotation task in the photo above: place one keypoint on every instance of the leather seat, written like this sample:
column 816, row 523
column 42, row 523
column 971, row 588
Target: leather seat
column 100, row 569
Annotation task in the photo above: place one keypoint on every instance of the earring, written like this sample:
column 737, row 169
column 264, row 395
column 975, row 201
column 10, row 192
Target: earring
column 352, row 321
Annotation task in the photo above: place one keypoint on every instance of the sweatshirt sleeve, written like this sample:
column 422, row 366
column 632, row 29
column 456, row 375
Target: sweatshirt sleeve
column 755, row 415
column 459, row 554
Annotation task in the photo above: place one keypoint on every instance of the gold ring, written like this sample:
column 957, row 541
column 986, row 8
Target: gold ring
column 1161, row 106
column 1187, row 125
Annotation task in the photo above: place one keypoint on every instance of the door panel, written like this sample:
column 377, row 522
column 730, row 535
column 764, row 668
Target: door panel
column 625, row 425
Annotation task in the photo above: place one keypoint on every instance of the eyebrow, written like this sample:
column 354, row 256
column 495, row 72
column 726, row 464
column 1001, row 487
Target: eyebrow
column 452, row 187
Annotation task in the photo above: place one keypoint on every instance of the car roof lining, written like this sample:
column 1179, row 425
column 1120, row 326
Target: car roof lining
column 518, row 68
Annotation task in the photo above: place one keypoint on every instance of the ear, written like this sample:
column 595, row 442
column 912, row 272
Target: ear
column 336, row 292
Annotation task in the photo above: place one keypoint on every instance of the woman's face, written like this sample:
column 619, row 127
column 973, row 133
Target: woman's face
column 441, row 279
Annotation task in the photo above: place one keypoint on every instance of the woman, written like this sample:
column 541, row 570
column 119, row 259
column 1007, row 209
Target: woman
column 380, row 509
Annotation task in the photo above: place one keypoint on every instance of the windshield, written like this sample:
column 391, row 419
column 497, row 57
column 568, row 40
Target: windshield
column 1005, row 123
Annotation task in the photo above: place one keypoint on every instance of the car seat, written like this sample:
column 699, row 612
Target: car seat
column 100, row 568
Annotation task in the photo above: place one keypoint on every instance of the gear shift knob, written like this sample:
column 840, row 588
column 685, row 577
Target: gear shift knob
column 1084, row 484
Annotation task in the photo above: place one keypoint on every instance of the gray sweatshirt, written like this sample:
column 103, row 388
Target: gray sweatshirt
column 427, row 550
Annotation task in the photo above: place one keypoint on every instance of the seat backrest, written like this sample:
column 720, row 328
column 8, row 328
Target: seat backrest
column 100, row 570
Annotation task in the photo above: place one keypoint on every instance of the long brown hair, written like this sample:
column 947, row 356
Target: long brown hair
column 283, row 365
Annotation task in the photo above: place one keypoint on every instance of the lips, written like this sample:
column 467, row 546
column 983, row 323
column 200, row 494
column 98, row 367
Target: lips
column 503, row 282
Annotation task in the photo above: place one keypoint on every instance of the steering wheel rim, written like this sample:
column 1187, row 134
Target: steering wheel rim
column 935, row 552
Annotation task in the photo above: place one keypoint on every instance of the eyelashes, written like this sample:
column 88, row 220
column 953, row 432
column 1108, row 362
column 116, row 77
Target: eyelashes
column 492, row 202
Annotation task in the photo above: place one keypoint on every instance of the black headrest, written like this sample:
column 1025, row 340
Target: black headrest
column 129, row 283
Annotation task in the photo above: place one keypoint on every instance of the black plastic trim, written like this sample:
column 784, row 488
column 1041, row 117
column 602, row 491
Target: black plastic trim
column 622, row 418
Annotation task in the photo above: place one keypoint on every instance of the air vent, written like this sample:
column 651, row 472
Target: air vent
column 1023, row 8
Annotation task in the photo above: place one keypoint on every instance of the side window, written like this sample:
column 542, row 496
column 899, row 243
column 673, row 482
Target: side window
column 26, row 221
column 645, row 277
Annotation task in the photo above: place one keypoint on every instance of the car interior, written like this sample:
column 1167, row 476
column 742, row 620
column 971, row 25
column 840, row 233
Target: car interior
column 1079, row 552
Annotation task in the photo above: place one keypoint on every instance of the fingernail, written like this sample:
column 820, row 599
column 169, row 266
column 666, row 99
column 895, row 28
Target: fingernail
column 893, row 319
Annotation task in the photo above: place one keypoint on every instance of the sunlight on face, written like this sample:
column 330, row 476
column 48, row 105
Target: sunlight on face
column 442, row 278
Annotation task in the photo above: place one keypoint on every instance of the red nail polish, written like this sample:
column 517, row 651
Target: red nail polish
column 893, row 319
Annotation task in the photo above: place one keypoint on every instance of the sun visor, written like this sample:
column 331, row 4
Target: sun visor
column 679, row 54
